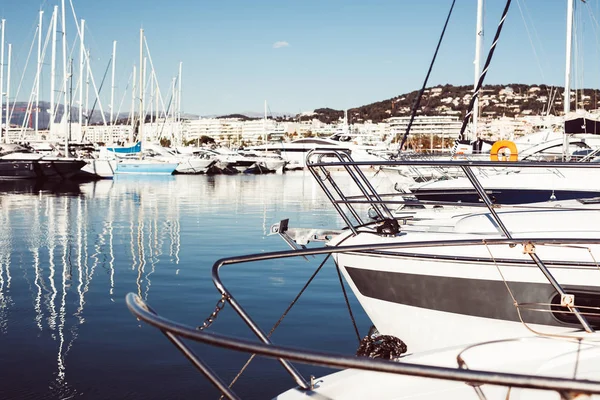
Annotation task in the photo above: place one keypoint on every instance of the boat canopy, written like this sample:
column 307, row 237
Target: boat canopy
column 582, row 123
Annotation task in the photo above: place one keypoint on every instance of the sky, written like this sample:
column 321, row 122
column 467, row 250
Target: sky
column 299, row 55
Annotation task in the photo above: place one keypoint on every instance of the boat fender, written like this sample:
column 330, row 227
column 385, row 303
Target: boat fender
column 388, row 227
column 504, row 150
column 387, row 347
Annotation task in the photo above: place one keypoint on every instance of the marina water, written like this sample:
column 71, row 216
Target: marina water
column 69, row 253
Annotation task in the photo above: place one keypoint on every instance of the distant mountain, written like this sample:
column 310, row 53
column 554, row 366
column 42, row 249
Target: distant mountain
column 19, row 114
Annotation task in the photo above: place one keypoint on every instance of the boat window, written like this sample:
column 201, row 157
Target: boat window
column 588, row 303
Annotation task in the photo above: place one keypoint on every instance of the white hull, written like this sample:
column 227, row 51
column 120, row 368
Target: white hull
column 193, row 165
column 540, row 356
column 438, row 297
column 104, row 169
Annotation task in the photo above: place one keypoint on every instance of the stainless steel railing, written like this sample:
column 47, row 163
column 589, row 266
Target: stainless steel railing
column 176, row 331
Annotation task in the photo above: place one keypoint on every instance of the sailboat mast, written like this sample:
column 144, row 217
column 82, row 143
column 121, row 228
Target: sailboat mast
column 64, row 55
column 144, row 66
column 38, row 75
column 567, row 93
column 8, row 112
column 141, row 81
column 133, row 88
column 2, row 26
column 179, row 93
column 172, row 106
column 81, row 64
column 112, row 85
column 69, row 104
column 87, row 90
column 477, row 62
column 53, row 68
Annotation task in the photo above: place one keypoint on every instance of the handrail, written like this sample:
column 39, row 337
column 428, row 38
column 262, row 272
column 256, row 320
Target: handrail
column 314, row 161
column 456, row 163
column 173, row 329
column 357, row 175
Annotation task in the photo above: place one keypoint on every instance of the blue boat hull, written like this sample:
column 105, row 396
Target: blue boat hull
column 144, row 168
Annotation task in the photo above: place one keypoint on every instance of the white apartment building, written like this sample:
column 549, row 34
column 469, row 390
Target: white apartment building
column 220, row 129
column 107, row 134
column 442, row 125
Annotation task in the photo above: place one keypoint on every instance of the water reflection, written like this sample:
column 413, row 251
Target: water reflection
column 69, row 253
column 32, row 186
column 59, row 234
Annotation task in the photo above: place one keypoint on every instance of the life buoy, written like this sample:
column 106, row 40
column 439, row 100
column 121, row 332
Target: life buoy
column 504, row 150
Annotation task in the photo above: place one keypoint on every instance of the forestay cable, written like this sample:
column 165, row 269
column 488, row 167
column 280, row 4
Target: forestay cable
column 481, row 78
column 420, row 95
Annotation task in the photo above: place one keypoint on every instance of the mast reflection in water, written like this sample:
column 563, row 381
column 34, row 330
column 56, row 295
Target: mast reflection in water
column 69, row 253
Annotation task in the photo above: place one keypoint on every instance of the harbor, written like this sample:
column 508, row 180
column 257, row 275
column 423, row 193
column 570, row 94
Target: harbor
column 324, row 200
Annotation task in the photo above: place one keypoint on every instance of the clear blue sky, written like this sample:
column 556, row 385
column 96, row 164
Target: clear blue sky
column 330, row 53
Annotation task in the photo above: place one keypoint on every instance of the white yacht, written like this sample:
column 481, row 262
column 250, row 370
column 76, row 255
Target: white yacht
column 295, row 152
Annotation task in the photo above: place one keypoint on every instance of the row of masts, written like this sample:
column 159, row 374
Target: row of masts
column 85, row 77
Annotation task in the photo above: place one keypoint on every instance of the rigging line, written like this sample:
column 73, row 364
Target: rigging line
column 168, row 110
column 12, row 110
column 123, row 99
column 91, row 113
column 337, row 268
column 595, row 27
column 280, row 319
column 531, row 41
column 420, row 95
column 481, row 77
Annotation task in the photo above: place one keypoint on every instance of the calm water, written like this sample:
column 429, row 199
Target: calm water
column 70, row 253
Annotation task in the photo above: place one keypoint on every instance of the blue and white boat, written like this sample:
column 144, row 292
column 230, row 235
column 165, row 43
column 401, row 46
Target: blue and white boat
column 131, row 160
column 145, row 167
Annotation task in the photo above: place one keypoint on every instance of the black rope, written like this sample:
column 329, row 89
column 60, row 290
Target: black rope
column 420, row 95
column 381, row 346
column 280, row 320
column 337, row 268
column 481, row 78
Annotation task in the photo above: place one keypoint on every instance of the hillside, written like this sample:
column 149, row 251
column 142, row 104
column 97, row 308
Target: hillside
column 496, row 100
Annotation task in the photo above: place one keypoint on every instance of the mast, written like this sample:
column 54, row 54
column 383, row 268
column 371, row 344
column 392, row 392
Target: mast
column 64, row 55
column 157, row 92
column 179, row 127
column 39, row 71
column 172, row 106
column 477, row 62
column 144, row 66
column 567, row 93
column 2, row 26
column 81, row 64
column 265, row 125
column 140, row 131
column 179, row 93
column 8, row 113
column 53, row 68
column 112, row 86
column 132, row 104
column 69, row 105
column 87, row 89
column 151, row 104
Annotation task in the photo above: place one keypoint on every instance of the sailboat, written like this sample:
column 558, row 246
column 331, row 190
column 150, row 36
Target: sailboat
column 137, row 164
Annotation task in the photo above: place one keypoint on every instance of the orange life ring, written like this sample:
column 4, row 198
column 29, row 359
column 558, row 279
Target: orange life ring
column 504, row 150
